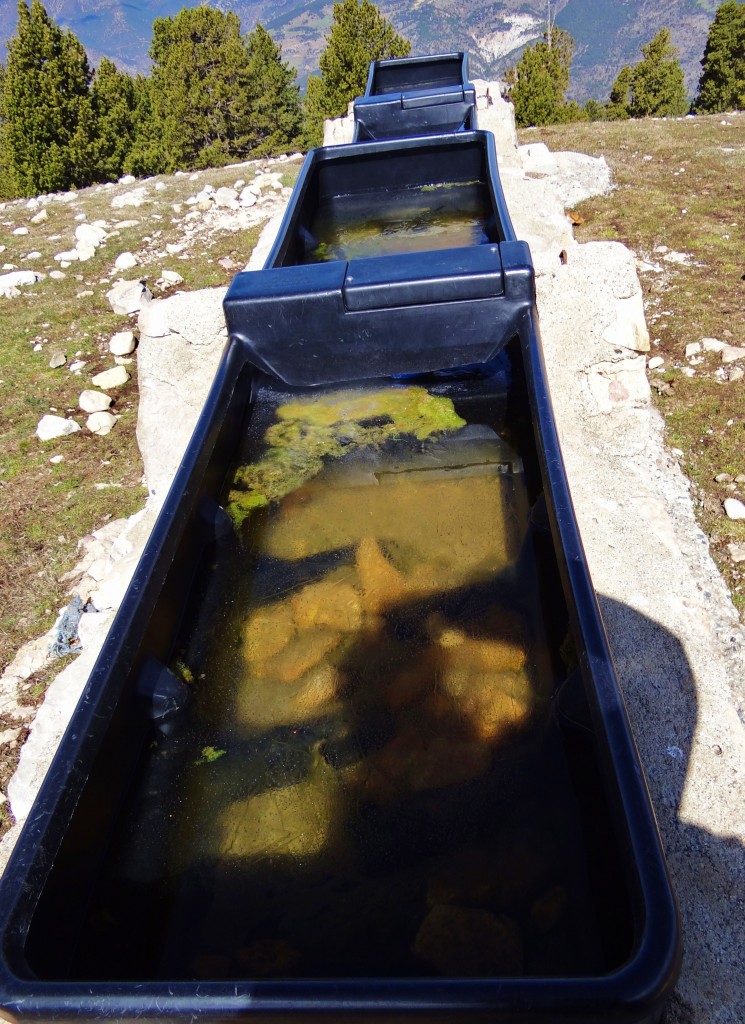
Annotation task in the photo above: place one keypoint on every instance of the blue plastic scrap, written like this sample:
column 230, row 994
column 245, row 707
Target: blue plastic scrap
column 68, row 641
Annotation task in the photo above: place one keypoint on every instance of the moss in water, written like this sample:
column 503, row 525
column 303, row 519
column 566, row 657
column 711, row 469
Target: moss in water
column 446, row 186
column 209, row 755
column 182, row 670
column 310, row 430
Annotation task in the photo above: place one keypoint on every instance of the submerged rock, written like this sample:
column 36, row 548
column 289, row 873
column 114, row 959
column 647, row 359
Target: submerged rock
column 465, row 942
column 470, row 533
column 297, row 821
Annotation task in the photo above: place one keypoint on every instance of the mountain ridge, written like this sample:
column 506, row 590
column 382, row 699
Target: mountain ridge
column 608, row 33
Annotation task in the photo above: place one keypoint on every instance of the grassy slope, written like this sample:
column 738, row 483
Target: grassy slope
column 681, row 184
column 45, row 508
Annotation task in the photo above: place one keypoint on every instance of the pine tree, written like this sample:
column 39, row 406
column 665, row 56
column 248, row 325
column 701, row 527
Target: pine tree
column 359, row 35
column 274, row 98
column 146, row 154
column 657, row 81
column 620, row 95
column 722, row 82
column 540, row 80
column 114, row 97
column 199, row 90
column 8, row 188
column 48, row 113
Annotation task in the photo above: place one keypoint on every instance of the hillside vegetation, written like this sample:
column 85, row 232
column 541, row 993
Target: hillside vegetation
column 679, row 206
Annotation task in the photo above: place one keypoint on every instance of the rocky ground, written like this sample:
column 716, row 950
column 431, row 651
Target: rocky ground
column 675, row 636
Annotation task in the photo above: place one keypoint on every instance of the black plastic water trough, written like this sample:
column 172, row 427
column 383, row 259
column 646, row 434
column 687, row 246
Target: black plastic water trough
column 416, row 96
column 453, row 286
column 355, row 747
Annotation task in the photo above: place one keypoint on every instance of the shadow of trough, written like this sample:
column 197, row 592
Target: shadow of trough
column 663, row 701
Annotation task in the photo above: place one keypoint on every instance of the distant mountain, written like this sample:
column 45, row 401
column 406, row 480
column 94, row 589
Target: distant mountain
column 608, row 33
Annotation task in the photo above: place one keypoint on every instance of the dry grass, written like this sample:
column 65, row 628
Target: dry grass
column 681, row 184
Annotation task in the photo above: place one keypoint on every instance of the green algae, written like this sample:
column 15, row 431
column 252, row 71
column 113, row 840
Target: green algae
column 309, row 431
column 209, row 755
column 183, row 671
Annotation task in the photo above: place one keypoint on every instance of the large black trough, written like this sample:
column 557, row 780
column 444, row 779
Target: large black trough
column 354, row 746
column 416, row 96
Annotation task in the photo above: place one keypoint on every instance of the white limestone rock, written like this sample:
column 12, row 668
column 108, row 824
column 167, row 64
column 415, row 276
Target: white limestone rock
column 101, row 423
column 112, row 378
column 135, row 198
column 57, row 275
column 57, row 360
column 171, row 277
column 174, row 373
column 127, row 297
column 122, row 343
column 125, row 261
column 736, row 551
column 580, row 176
column 226, row 196
column 94, row 401
column 153, row 319
column 338, row 131
column 89, row 236
column 127, row 179
column 40, row 217
column 50, row 427
column 732, row 354
column 629, row 328
column 20, row 231
column 19, row 279
column 537, row 159
column 54, row 714
column 734, row 508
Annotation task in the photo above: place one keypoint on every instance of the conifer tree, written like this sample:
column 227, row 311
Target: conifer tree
column 359, row 35
column 114, row 99
column 146, row 154
column 274, row 98
column 620, row 95
column 657, row 81
column 540, row 80
column 722, row 82
column 49, row 120
column 199, row 90
column 8, row 189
